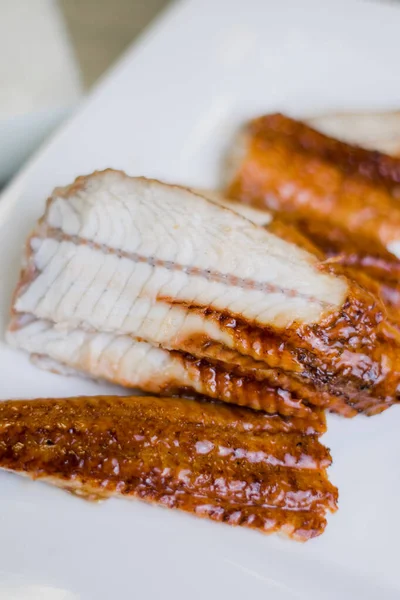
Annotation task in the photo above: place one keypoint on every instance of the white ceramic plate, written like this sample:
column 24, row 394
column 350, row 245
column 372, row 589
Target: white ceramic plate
column 169, row 109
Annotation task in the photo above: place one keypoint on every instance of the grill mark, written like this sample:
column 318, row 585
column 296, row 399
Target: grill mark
column 213, row 276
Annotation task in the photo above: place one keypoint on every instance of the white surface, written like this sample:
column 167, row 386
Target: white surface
column 39, row 77
column 169, row 109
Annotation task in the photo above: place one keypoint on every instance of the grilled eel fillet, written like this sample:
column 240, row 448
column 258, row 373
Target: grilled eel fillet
column 344, row 198
column 154, row 286
column 225, row 463
column 287, row 231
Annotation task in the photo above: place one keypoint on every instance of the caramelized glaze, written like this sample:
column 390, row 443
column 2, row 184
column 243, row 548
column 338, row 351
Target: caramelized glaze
column 226, row 463
column 349, row 362
column 334, row 200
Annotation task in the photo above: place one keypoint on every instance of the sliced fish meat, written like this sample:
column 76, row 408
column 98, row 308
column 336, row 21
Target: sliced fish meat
column 343, row 197
column 132, row 363
column 144, row 262
column 228, row 464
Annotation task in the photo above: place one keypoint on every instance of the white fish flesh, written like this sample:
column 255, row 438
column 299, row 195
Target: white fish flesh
column 162, row 265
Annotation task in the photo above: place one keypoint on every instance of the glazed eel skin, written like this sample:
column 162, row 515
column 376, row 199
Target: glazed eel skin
column 156, row 287
column 226, row 463
column 343, row 197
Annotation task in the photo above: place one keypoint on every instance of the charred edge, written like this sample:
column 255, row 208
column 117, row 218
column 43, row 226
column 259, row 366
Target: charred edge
column 295, row 349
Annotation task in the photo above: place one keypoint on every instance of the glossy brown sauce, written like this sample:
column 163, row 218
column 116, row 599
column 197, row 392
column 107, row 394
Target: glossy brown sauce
column 338, row 365
column 334, row 200
column 349, row 362
column 348, row 191
column 226, row 463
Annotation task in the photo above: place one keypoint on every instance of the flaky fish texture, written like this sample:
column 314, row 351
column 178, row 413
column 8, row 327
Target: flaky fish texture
column 157, row 287
column 225, row 463
column 344, row 198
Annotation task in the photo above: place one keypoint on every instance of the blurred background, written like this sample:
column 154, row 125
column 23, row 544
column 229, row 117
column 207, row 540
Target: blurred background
column 71, row 43
column 52, row 52
column 100, row 30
